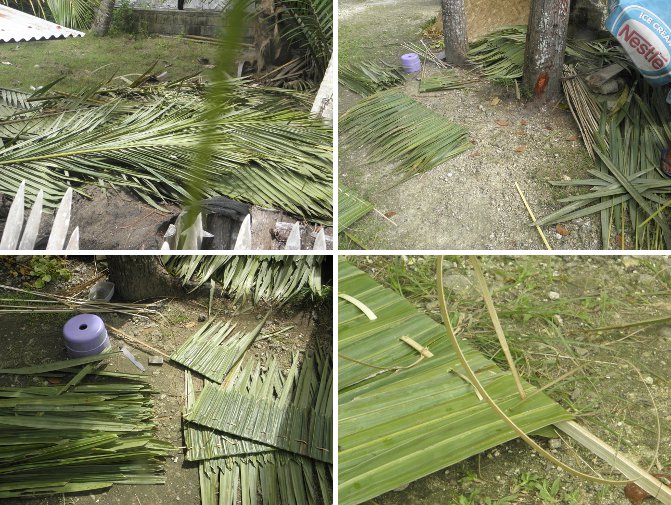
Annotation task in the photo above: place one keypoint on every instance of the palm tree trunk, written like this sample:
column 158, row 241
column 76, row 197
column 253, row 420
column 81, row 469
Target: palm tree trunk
column 546, row 44
column 454, row 31
column 103, row 19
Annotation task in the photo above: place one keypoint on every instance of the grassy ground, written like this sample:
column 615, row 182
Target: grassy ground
column 92, row 60
column 548, row 307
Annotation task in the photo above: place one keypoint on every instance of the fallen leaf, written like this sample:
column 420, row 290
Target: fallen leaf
column 495, row 101
column 549, row 127
column 190, row 324
column 562, row 230
column 524, row 122
column 521, row 133
column 475, row 154
column 54, row 380
column 521, row 149
column 572, row 138
column 389, row 214
column 502, row 122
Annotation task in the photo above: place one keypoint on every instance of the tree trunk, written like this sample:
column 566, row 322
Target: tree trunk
column 103, row 19
column 454, row 31
column 141, row 277
column 546, row 45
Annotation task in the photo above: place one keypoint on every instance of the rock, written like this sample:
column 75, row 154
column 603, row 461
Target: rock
column 554, row 443
column 553, row 295
column 649, row 381
column 202, row 318
column 630, row 261
column 155, row 360
column 558, row 320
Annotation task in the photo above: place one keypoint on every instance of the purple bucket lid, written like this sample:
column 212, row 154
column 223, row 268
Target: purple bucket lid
column 85, row 334
column 410, row 62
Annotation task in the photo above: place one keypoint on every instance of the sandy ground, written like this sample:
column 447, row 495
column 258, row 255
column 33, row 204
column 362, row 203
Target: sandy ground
column 469, row 202
column 36, row 338
column 614, row 401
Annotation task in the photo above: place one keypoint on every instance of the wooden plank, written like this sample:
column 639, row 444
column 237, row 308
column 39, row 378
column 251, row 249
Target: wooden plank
column 611, row 456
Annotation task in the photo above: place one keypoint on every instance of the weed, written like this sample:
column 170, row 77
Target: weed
column 549, row 493
column 124, row 22
column 46, row 269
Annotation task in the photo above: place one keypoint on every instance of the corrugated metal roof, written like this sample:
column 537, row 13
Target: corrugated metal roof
column 17, row 26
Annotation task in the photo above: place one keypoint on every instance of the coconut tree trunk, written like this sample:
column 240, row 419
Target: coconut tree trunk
column 103, row 19
column 546, row 45
column 140, row 278
column 454, row 31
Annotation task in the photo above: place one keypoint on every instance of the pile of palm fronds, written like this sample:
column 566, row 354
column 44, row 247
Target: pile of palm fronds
column 273, row 279
column 89, row 436
column 443, row 82
column 400, row 130
column 266, row 148
column 500, row 55
column 367, row 77
column 628, row 189
column 263, row 432
column 351, row 208
column 406, row 412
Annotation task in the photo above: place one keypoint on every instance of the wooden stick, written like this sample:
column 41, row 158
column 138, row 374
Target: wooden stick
column 497, row 324
column 533, row 218
column 611, row 456
column 136, row 341
column 417, row 347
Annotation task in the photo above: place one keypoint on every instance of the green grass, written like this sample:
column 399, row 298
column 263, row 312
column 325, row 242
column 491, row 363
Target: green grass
column 91, row 60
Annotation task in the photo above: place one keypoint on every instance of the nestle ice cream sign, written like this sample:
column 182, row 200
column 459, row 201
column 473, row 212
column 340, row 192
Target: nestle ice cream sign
column 645, row 36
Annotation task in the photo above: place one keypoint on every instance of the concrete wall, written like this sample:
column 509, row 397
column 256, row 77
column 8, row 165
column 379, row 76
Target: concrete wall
column 175, row 22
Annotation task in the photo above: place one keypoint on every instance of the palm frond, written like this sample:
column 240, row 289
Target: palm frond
column 273, row 279
column 274, row 158
column 76, row 14
column 400, row 130
column 311, row 28
column 628, row 190
column 213, row 351
column 367, row 77
column 443, row 82
column 351, row 208
column 401, row 419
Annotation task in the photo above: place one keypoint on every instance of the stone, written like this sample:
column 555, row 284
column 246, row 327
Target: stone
column 554, row 443
column 649, row 381
column 155, row 360
column 553, row 295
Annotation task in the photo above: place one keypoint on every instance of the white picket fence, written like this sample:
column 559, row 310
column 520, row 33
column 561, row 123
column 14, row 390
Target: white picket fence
column 22, row 237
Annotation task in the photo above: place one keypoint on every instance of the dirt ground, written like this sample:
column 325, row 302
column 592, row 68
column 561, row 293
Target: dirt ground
column 469, row 202
column 36, row 338
column 546, row 304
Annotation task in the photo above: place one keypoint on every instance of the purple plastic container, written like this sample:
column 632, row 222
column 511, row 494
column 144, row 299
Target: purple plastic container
column 85, row 335
column 410, row 63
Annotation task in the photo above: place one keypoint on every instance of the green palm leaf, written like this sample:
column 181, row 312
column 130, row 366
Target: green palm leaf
column 400, row 130
column 398, row 426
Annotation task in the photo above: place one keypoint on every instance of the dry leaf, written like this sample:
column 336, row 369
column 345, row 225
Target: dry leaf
column 636, row 495
column 549, row 127
column 475, row 154
column 189, row 324
column 495, row 101
column 502, row 122
column 521, row 149
column 54, row 380
column 572, row 138
column 389, row 214
column 562, row 230
column 524, row 122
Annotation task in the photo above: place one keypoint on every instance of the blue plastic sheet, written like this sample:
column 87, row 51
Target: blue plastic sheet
column 643, row 29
